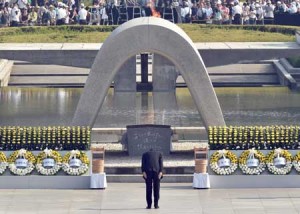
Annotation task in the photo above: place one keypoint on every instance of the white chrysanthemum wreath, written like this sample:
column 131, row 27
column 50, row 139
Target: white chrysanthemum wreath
column 252, row 162
column 223, row 155
column 77, row 157
column 3, row 163
column 296, row 162
column 279, row 154
column 48, row 162
column 21, row 162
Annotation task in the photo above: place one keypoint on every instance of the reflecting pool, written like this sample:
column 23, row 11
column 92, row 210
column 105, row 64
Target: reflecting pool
column 240, row 106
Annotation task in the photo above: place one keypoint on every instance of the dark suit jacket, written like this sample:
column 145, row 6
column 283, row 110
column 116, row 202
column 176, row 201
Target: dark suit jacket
column 152, row 161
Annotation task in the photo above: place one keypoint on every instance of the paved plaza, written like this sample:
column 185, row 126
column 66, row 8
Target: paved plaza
column 124, row 198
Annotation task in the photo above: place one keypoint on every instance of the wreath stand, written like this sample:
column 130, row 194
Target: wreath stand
column 98, row 176
column 201, row 177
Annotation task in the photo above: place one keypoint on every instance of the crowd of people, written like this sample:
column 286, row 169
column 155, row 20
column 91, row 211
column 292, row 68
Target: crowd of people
column 51, row 12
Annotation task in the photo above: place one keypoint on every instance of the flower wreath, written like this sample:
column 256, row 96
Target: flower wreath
column 3, row 163
column 21, row 154
column 223, row 154
column 296, row 162
column 276, row 153
column 75, row 154
column 252, row 154
column 48, row 153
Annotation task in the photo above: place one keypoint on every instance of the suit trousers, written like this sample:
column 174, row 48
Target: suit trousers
column 152, row 178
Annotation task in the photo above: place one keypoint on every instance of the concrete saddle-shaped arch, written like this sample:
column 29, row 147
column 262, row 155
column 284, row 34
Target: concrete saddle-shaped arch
column 155, row 35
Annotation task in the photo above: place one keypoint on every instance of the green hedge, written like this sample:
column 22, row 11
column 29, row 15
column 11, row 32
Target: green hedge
column 259, row 137
column 42, row 137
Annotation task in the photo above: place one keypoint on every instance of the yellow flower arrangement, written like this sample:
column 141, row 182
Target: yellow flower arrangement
column 2, row 157
column 222, row 154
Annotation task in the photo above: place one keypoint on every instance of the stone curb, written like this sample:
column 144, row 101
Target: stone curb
column 284, row 76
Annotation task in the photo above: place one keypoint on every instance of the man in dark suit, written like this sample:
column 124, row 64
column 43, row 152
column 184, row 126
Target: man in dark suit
column 152, row 166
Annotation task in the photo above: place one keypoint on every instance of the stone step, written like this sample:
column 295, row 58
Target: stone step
column 47, row 70
column 139, row 179
column 175, row 170
column 120, row 163
column 27, row 69
column 79, row 81
column 26, row 74
column 243, row 69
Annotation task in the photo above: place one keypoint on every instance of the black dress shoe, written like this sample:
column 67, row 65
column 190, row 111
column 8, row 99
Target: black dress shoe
column 148, row 207
column 156, row 207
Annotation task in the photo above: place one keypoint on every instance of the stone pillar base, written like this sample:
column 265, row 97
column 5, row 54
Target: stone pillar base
column 201, row 181
column 98, row 181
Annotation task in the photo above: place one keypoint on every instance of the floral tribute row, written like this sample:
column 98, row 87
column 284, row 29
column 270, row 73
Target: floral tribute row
column 259, row 137
column 39, row 138
column 254, row 162
column 47, row 162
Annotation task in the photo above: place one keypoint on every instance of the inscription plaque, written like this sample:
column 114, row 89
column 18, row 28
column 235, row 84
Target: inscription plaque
column 141, row 138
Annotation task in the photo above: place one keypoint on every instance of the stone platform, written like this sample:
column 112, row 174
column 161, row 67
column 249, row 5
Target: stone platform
column 25, row 74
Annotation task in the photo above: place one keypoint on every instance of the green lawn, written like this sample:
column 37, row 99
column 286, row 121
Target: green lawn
column 198, row 33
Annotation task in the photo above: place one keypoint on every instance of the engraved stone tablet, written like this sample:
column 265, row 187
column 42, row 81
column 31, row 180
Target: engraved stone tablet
column 142, row 138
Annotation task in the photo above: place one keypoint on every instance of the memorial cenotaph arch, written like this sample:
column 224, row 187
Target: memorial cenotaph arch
column 154, row 35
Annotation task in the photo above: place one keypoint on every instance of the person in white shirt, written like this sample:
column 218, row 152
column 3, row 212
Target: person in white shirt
column 218, row 13
column 259, row 14
column 22, row 4
column 236, row 13
column 15, row 16
column 185, row 13
column 66, row 8
column 61, row 15
column 245, row 14
column 252, row 16
column 209, row 13
column 269, row 10
column 52, row 14
column 104, row 16
column 201, row 15
column 293, row 8
column 82, row 15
